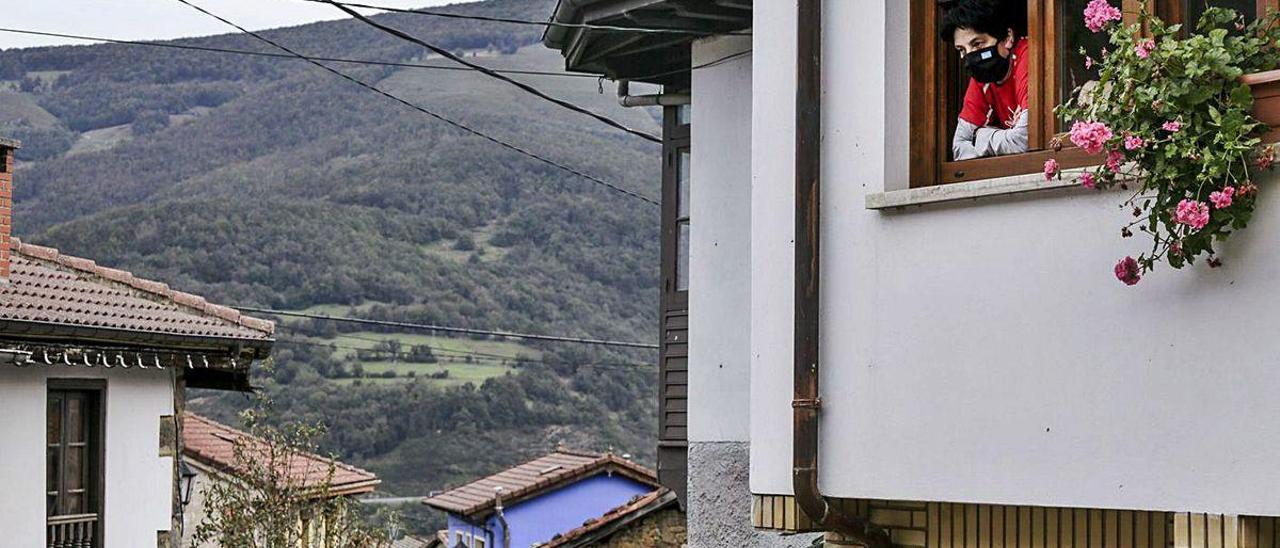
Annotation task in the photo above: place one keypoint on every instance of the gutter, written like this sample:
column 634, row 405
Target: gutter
column 657, row 100
column 806, row 402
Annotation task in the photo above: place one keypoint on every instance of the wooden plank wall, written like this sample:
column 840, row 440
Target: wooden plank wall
column 947, row 525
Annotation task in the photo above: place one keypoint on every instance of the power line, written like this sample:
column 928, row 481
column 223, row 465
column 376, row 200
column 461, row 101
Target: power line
column 478, row 356
column 585, row 26
column 171, row 45
column 492, row 74
column 450, row 329
column 434, row 115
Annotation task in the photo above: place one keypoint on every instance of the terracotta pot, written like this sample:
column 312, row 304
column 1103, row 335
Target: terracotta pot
column 1266, row 100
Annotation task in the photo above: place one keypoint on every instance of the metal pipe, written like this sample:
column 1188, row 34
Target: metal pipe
column 657, row 100
column 502, row 519
column 807, row 402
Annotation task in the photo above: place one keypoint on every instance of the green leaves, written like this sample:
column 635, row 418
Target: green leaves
column 1179, row 115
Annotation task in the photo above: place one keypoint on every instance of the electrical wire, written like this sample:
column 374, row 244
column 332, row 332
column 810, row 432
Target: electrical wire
column 442, row 118
column 492, row 74
column 584, row 26
column 171, row 45
column 450, row 329
column 479, row 357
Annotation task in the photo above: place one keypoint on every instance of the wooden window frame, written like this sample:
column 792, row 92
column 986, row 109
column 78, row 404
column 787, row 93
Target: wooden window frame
column 95, row 440
column 930, row 138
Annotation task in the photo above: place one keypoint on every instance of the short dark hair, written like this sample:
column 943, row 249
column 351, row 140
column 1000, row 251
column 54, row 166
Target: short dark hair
column 994, row 17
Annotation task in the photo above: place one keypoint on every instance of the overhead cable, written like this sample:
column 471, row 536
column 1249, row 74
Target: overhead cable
column 491, row 73
column 450, row 329
column 585, row 26
column 442, row 118
column 172, row 45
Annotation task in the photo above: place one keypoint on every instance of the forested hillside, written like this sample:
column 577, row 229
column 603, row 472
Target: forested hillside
column 268, row 182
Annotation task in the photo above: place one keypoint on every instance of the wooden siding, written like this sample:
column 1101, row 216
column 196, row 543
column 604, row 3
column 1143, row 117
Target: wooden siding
column 948, row 525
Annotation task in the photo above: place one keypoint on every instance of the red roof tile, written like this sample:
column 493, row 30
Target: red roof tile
column 536, row 477
column 49, row 287
column 636, row 508
column 213, row 443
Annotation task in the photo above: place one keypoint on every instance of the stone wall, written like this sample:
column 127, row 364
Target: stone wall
column 720, row 501
column 661, row 529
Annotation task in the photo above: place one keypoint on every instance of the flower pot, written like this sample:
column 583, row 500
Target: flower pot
column 1266, row 100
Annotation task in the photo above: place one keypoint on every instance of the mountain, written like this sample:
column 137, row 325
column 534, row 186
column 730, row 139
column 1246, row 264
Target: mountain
column 269, row 182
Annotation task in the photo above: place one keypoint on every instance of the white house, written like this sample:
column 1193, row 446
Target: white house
column 984, row 379
column 93, row 365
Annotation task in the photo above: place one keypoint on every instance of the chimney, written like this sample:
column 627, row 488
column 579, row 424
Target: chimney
column 7, row 148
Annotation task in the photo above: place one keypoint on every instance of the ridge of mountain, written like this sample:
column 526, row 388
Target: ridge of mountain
column 267, row 182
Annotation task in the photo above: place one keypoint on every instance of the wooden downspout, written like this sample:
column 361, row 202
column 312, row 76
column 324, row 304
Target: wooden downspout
column 806, row 403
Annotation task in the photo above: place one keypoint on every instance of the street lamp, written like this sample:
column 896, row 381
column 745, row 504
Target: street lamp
column 186, row 481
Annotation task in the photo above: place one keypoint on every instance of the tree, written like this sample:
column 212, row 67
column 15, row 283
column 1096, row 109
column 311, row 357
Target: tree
column 271, row 500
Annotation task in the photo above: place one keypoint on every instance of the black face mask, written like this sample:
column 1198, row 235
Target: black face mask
column 987, row 65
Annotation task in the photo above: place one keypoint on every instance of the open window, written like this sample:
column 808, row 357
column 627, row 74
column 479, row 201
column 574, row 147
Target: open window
column 1054, row 33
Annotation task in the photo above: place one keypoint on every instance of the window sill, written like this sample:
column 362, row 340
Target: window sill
column 971, row 190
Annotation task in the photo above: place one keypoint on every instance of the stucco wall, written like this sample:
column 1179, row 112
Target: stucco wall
column 983, row 351
column 719, row 252
column 138, row 481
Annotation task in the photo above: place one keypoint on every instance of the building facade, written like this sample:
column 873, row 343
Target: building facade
column 93, row 366
column 970, row 372
column 533, row 503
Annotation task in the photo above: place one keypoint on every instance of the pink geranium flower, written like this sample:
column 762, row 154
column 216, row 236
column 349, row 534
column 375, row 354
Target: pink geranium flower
column 1127, row 271
column 1222, row 199
column 1098, row 13
column 1088, row 62
column 1133, row 142
column 1144, row 48
column 1172, row 126
column 1088, row 181
column 1090, row 136
column 1114, row 157
column 1192, row 213
column 1050, row 169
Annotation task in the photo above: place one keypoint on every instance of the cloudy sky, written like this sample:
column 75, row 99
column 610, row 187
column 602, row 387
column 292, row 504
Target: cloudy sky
column 153, row 19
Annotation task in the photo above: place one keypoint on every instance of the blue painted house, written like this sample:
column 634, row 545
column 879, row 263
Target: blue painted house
column 528, row 505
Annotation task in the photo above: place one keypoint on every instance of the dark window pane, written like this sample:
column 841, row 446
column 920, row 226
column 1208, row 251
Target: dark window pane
column 682, row 185
column 51, row 505
column 75, row 468
column 1072, row 65
column 1195, row 8
column 53, row 420
column 75, row 419
column 74, row 504
column 51, row 469
column 682, row 258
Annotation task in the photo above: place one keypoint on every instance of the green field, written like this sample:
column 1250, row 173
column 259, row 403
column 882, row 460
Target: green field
column 467, row 360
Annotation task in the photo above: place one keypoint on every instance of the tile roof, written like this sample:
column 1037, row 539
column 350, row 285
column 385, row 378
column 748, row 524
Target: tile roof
column 49, row 287
column 213, row 443
column 409, row 542
column 638, row 507
column 534, row 478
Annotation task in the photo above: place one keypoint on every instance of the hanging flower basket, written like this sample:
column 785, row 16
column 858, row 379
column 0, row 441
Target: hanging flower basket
column 1183, row 120
column 1266, row 101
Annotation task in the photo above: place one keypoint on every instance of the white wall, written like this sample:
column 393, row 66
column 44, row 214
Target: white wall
column 983, row 351
column 138, row 481
column 719, row 252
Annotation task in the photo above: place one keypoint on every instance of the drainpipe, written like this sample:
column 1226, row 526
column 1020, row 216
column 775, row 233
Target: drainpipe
column 502, row 518
column 806, row 403
column 658, row 100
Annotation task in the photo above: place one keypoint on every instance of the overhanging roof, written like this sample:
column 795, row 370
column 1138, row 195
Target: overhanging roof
column 642, row 57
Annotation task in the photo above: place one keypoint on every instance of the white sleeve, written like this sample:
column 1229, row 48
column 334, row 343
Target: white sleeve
column 962, row 143
column 996, row 142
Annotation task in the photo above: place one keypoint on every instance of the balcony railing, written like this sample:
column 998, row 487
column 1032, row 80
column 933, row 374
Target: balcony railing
column 75, row 531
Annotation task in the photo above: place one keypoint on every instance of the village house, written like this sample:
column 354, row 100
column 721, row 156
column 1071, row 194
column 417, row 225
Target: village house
column 209, row 450
column 94, row 363
column 954, row 366
column 564, row 499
